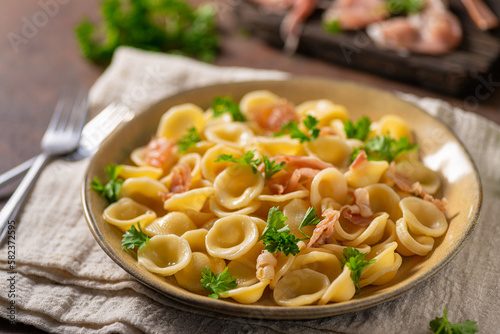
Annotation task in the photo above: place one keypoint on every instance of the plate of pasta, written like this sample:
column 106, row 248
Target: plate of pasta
column 292, row 199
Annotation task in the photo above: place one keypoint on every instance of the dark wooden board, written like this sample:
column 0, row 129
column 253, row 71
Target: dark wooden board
column 456, row 73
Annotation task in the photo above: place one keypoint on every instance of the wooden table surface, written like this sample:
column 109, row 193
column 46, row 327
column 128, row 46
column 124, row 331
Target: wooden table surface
column 37, row 62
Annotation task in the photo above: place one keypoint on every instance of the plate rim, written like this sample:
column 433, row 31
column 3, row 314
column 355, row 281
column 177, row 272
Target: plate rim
column 279, row 312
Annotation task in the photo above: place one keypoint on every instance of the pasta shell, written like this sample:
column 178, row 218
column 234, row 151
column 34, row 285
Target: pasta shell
column 331, row 149
column 256, row 99
column 189, row 200
column 165, row 254
column 394, row 126
column 341, row 289
column 384, row 199
column 126, row 212
column 190, row 276
column 172, row 223
column 220, row 211
column 337, row 250
column 248, row 294
column 233, row 134
column 322, row 262
column 410, row 166
column 423, row 217
column 295, row 212
column 144, row 190
column 231, row 237
column 373, row 232
column 386, row 265
column 272, row 146
column 409, row 244
column 209, row 168
column 242, row 272
column 300, row 287
column 325, row 111
column 128, row 172
column 367, row 173
column 196, row 239
column 329, row 183
column 175, row 123
column 237, row 186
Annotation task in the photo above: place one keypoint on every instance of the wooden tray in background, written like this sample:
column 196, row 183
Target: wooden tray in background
column 455, row 73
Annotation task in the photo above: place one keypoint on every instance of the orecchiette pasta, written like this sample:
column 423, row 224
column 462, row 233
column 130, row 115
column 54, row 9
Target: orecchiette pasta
column 276, row 199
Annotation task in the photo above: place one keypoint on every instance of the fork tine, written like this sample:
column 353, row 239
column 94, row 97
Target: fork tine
column 56, row 115
column 78, row 113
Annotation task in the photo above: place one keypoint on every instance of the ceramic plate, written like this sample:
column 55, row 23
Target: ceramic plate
column 439, row 148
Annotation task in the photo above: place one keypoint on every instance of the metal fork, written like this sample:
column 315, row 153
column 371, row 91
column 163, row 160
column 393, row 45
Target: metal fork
column 62, row 136
column 92, row 135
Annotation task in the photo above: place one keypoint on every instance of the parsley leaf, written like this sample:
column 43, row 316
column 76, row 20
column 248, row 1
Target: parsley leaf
column 385, row 148
column 111, row 189
column 292, row 127
column 134, row 237
column 189, row 140
column 162, row 25
column 216, row 284
column 247, row 159
column 222, row 105
column 355, row 261
column 310, row 218
column 271, row 167
column 276, row 235
column 359, row 129
column 442, row 325
column 333, row 27
column 402, row 7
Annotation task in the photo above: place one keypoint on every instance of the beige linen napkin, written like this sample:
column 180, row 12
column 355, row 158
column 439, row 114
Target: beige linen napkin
column 65, row 283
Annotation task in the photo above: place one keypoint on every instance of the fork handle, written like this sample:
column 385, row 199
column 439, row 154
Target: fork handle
column 11, row 209
column 14, row 173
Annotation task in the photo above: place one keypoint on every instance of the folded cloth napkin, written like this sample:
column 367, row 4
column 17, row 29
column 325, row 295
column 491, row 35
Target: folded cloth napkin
column 65, row 283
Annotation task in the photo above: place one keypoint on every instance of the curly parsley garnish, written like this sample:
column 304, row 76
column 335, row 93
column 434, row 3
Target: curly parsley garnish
column 310, row 218
column 163, row 25
column 403, row 7
column 443, row 326
column 111, row 189
column 134, row 237
column 385, row 148
column 333, row 27
column 221, row 105
column 216, row 284
column 277, row 236
column 355, row 261
column 359, row 129
column 271, row 167
column 292, row 127
column 189, row 140
column 247, row 159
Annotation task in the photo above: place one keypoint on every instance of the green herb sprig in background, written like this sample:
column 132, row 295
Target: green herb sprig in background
column 404, row 7
column 247, row 159
column 111, row 189
column 310, row 218
column 156, row 25
column 443, row 326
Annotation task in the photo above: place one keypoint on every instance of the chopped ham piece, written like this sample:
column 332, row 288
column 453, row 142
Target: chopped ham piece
column 482, row 16
column 405, row 184
column 325, row 228
column 274, row 116
column 180, row 181
column 159, row 152
column 356, row 14
column 266, row 264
